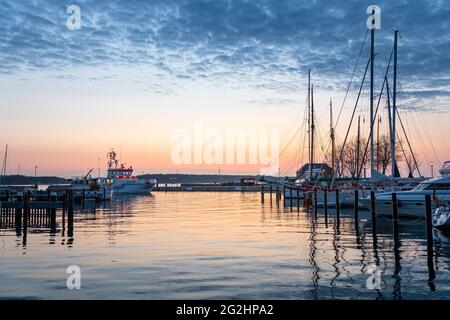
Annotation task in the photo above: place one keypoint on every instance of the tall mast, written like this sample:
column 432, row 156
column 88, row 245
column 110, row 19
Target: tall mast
column 378, row 144
column 309, row 122
column 394, row 110
column 391, row 135
column 358, row 146
column 372, row 57
column 4, row 164
column 312, row 131
column 333, row 145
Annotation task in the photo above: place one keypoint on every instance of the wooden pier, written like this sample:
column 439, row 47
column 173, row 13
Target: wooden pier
column 23, row 212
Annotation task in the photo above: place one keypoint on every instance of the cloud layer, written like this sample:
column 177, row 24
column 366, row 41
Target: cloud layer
column 260, row 44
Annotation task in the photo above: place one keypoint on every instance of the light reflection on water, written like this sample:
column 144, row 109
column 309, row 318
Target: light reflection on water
column 219, row 246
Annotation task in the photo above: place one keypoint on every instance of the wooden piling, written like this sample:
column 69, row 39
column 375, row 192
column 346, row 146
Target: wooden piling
column 315, row 200
column 428, row 216
column 290, row 198
column 395, row 216
column 356, row 208
column 337, row 204
column 430, row 253
column 373, row 212
column 262, row 194
column 70, row 214
column 270, row 191
column 298, row 200
column 278, row 196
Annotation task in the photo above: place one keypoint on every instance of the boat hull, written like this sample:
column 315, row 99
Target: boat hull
column 133, row 187
column 405, row 208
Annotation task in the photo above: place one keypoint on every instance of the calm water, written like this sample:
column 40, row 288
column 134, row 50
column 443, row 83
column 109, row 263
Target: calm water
column 219, row 246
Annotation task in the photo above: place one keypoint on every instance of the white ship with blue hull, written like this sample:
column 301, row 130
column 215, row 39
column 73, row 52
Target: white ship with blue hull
column 124, row 182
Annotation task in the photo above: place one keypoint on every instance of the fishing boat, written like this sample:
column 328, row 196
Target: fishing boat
column 124, row 182
column 84, row 188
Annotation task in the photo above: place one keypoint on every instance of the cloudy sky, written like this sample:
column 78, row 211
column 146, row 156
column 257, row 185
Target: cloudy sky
column 138, row 70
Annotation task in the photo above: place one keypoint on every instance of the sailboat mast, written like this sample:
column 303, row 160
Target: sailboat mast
column 309, row 122
column 377, row 160
column 358, row 146
column 312, row 130
column 333, row 145
column 394, row 110
column 4, row 164
column 372, row 57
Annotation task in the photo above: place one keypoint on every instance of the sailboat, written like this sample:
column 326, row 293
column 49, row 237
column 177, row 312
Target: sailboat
column 411, row 203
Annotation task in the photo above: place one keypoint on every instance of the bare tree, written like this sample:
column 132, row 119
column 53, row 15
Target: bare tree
column 383, row 155
column 352, row 158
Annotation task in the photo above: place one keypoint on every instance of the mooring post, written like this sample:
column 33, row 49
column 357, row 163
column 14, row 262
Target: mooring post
column 315, row 202
column 278, row 196
column 337, row 203
column 395, row 216
column 270, row 191
column 18, row 214
column 83, row 197
column 262, row 193
column 70, row 206
column 53, row 219
column 298, row 199
column 26, row 209
column 356, row 207
column 373, row 212
column 430, row 253
column 290, row 198
column 325, row 201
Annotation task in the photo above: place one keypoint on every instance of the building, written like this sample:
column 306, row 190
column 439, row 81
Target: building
column 319, row 170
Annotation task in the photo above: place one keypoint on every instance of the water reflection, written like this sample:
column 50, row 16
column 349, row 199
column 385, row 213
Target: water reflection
column 220, row 245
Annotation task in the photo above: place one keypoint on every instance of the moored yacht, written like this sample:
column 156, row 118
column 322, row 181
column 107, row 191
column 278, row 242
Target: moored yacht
column 411, row 203
column 124, row 182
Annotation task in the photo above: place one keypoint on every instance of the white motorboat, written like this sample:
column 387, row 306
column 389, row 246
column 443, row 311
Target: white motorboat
column 441, row 217
column 445, row 170
column 124, row 182
column 411, row 204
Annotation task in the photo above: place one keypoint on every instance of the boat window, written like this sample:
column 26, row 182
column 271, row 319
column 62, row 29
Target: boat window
column 422, row 186
column 437, row 186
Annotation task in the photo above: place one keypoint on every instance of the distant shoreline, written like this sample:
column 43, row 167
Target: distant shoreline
column 161, row 178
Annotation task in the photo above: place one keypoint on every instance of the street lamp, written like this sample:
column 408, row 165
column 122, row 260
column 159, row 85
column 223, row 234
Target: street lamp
column 35, row 177
column 99, row 167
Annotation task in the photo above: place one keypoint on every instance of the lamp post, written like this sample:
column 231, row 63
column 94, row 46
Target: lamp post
column 35, row 177
column 432, row 169
column 99, row 167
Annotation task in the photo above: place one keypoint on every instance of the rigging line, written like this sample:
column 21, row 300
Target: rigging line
column 442, row 135
column 371, row 130
column 418, row 135
column 284, row 150
column 351, row 78
column 351, row 120
column 409, row 145
column 404, row 153
column 375, row 116
column 427, row 134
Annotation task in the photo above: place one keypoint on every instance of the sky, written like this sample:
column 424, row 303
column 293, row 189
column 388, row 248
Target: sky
column 135, row 72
